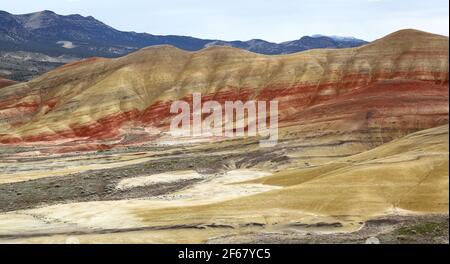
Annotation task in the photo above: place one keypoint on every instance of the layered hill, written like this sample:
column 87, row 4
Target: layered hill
column 5, row 82
column 370, row 94
column 363, row 133
column 403, row 179
column 406, row 175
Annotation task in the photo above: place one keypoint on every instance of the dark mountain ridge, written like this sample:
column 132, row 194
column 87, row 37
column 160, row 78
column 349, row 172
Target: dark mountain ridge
column 76, row 36
column 41, row 31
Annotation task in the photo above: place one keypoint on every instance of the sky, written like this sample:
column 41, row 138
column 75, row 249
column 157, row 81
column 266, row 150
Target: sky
column 275, row 21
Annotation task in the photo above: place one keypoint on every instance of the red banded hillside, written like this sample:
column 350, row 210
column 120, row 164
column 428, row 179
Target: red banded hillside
column 372, row 94
column 5, row 82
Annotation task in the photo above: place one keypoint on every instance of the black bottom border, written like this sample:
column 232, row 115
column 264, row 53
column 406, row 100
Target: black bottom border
column 225, row 253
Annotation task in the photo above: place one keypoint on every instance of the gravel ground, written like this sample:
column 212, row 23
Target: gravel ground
column 394, row 229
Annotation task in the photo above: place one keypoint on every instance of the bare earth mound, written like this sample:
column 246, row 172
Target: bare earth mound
column 363, row 148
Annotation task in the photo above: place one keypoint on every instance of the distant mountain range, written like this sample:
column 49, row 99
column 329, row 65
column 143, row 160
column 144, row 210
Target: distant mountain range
column 67, row 38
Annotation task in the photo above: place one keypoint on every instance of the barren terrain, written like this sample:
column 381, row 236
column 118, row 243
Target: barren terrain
column 362, row 153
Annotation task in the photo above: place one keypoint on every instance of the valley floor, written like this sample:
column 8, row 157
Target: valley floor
column 396, row 192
